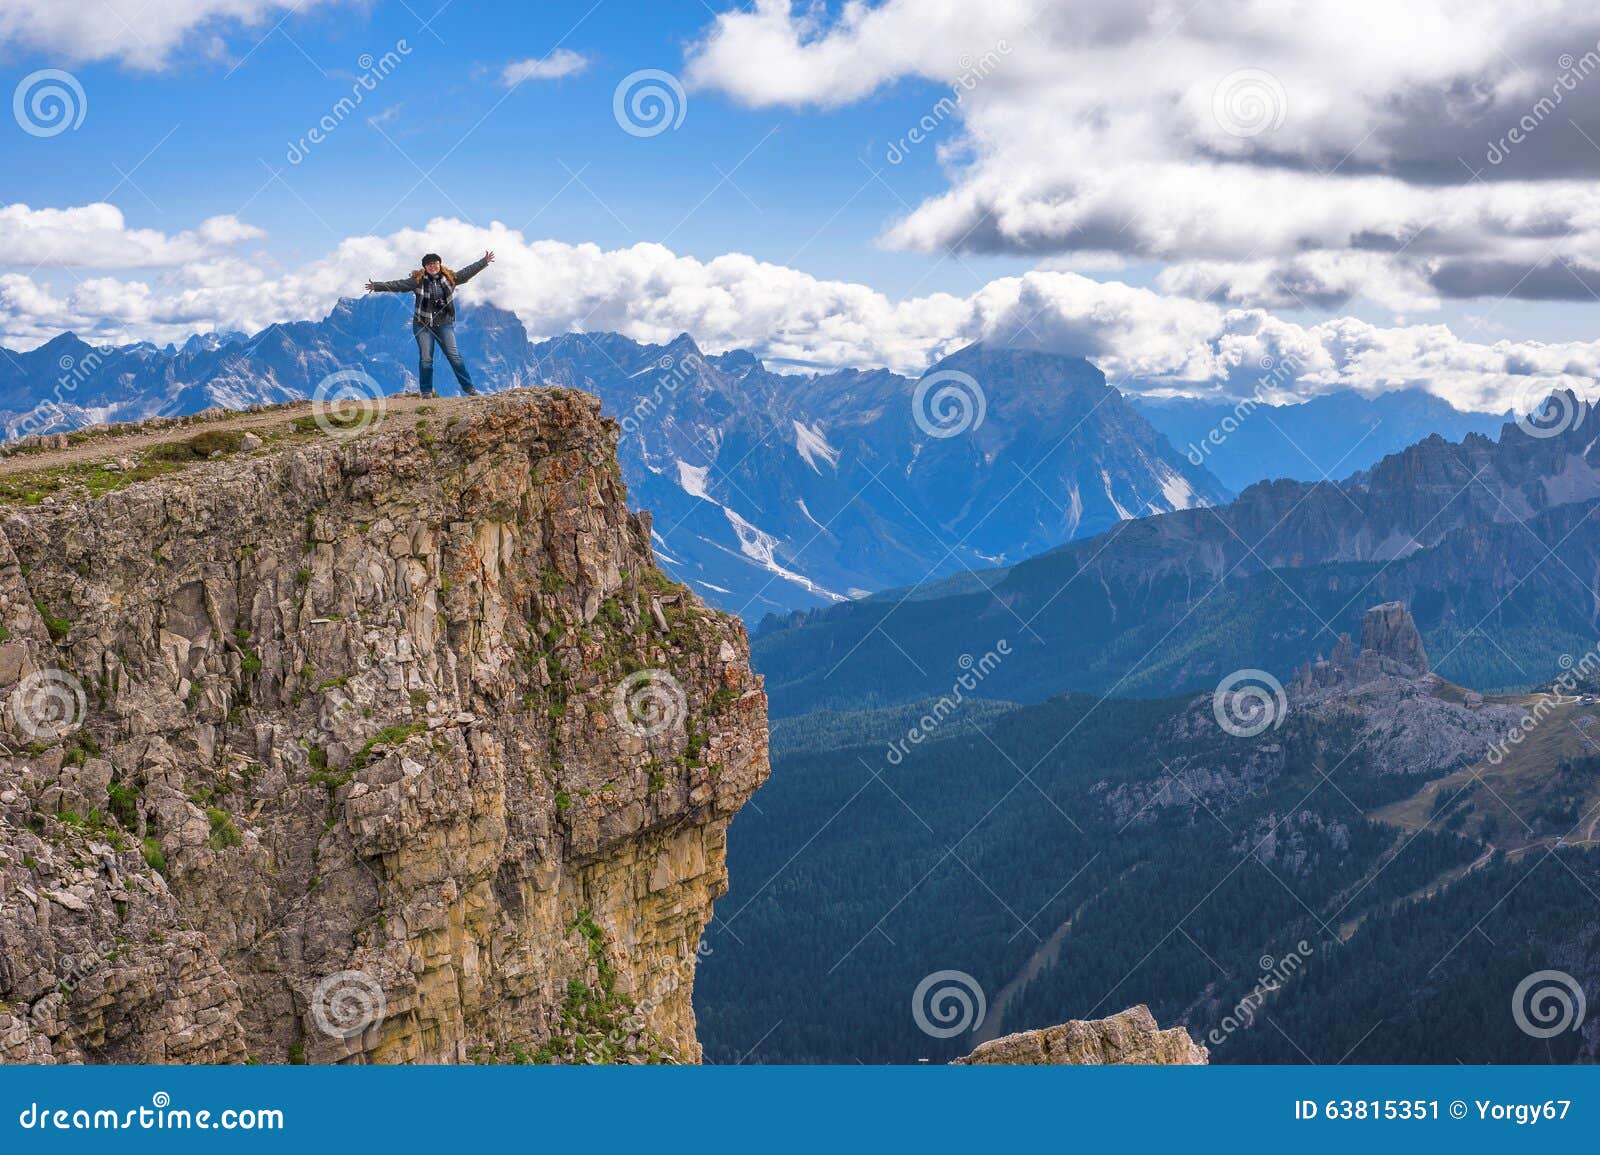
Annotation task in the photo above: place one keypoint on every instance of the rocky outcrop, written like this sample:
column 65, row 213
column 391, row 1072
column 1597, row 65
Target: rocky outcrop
column 381, row 745
column 1391, row 645
column 1411, row 721
column 1131, row 1037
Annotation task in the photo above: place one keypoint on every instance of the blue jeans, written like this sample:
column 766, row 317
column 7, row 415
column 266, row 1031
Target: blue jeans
column 446, row 336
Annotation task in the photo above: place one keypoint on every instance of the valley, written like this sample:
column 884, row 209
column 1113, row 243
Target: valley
column 1152, row 856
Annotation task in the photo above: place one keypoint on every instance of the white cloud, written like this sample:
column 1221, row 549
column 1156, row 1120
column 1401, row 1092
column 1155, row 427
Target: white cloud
column 1143, row 339
column 96, row 236
column 1317, row 279
column 561, row 62
column 1270, row 152
column 139, row 33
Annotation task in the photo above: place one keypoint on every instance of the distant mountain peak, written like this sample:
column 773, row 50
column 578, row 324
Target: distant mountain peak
column 1329, row 437
column 736, row 360
column 684, row 345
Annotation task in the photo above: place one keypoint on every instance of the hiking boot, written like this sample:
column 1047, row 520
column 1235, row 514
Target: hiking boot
column 469, row 391
column 429, row 394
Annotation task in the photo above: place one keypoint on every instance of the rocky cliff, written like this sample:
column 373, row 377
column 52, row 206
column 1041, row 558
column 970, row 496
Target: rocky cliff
column 1131, row 1037
column 1411, row 720
column 1408, row 721
column 1391, row 645
column 336, row 739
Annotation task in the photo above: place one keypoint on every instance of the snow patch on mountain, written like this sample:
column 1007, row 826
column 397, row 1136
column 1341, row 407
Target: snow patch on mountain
column 693, row 480
column 812, row 445
column 661, row 549
column 1105, row 479
column 1074, row 509
column 762, row 548
column 1178, row 492
column 805, row 509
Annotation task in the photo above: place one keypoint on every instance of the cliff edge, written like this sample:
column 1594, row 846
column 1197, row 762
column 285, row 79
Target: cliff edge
column 330, row 738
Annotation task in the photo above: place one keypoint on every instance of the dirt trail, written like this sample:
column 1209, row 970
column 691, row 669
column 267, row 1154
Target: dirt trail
column 1045, row 955
column 112, row 444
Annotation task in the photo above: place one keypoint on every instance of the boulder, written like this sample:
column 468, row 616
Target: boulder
column 1131, row 1037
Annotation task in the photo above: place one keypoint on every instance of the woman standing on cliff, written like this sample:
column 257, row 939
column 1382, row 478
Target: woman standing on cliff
column 434, row 317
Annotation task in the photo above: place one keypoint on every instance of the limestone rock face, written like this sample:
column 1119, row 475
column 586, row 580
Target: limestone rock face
column 1411, row 720
column 1131, row 1037
column 391, row 747
column 1390, row 641
column 1391, row 646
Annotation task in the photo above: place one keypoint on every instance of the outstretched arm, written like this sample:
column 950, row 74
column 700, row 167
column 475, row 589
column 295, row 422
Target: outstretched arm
column 472, row 270
column 401, row 286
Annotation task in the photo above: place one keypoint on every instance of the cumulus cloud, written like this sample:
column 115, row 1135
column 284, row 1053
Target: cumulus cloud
column 561, row 62
column 1269, row 153
column 1144, row 339
column 97, row 236
column 138, row 33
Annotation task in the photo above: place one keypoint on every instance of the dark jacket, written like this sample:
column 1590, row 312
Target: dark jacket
column 434, row 297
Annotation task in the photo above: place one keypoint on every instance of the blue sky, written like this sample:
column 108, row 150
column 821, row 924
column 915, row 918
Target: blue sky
column 547, row 158
column 1095, row 190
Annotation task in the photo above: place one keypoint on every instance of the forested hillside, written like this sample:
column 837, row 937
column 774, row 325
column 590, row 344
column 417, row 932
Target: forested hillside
column 1126, row 851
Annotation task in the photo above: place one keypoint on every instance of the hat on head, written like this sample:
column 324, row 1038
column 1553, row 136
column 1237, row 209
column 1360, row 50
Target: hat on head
column 428, row 258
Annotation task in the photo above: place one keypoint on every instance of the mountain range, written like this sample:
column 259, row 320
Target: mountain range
column 770, row 492
column 1489, row 541
column 1324, row 438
